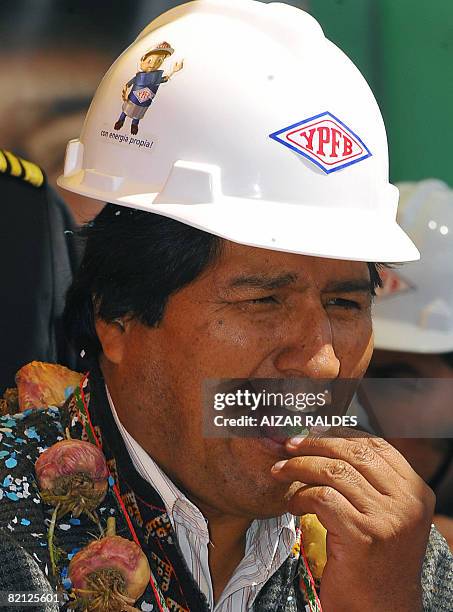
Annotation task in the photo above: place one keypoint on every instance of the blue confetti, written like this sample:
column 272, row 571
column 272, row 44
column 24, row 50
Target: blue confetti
column 24, row 521
column 3, row 454
column 8, row 422
column 67, row 583
column 111, row 481
column 27, row 412
column 68, row 391
column 11, row 463
column 11, row 496
column 21, row 441
column 74, row 521
column 31, row 433
column 73, row 552
column 7, row 481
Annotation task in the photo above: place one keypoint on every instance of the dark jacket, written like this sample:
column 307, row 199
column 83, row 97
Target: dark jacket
column 140, row 512
column 37, row 261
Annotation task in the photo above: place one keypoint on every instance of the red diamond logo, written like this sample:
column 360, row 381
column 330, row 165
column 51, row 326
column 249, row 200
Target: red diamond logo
column 325, row 140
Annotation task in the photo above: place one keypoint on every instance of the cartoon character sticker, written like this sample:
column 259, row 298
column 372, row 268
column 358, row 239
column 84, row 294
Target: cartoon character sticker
column 139, row 93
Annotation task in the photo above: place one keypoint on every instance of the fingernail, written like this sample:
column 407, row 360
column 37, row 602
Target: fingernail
column 278, row 466
column 296, row 440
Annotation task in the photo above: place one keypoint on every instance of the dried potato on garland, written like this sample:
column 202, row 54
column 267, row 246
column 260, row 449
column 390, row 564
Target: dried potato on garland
column 109, row 574
column 72, row 477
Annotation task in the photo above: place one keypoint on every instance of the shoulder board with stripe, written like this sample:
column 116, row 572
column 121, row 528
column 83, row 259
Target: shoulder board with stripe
column 21, row 168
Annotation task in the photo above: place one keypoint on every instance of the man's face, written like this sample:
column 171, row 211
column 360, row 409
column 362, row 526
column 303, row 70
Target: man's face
column 253, row 314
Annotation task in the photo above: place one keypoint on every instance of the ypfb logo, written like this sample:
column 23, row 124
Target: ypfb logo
column 325, row 140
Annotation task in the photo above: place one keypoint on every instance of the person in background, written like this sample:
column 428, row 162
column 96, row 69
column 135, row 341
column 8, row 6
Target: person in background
column 413, row 327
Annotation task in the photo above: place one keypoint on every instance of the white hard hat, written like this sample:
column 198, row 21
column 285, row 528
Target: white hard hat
column 266, row 134
column 414, row 310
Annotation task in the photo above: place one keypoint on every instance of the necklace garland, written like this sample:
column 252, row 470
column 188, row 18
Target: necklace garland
column 108, row 591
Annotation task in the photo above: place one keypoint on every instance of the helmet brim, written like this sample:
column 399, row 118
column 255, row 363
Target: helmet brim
column 352, row 234
column 401, row 336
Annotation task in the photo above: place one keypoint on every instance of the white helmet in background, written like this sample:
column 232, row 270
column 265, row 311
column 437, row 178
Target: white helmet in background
column 414, row 310
column 240, row 118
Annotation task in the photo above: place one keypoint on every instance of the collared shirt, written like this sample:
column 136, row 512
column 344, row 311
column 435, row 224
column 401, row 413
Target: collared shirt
column 268, row 541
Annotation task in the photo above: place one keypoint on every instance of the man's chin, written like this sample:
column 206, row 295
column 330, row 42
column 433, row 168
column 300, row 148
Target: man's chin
column 255, row 486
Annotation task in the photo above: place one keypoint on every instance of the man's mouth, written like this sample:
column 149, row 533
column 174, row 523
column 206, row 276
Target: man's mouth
column 273, row 440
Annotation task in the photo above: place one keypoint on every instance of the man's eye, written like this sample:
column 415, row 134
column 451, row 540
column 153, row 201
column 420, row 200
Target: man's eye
column 342, row 303
column 268, row 299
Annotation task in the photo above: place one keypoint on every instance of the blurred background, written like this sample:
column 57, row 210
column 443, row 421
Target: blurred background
column 54, row 53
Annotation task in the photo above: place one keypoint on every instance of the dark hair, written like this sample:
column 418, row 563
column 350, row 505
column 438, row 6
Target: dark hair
column 133, row 262
column 375, row 279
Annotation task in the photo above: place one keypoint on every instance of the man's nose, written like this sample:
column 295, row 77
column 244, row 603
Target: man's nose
column 308, row 348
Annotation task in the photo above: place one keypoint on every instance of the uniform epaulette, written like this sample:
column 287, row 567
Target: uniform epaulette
column 21, row 168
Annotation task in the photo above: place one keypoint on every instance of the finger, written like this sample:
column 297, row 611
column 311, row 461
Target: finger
column 373, row 457
column 334, row 511
column 334, row 473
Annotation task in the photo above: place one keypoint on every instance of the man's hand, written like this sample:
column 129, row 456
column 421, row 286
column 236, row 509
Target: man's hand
column 377, row 512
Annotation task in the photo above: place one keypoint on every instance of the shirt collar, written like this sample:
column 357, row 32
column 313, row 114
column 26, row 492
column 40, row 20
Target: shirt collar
column 173, row 498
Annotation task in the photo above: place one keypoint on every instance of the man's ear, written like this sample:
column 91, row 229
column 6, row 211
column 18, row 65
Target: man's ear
column 112, row 336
